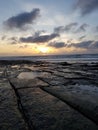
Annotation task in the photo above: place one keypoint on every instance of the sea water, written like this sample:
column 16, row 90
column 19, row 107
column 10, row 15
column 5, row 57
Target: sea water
column 57, row 58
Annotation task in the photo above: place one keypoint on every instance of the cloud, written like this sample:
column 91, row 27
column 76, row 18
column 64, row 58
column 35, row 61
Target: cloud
column 22, row 47
column 13, row 40
column 22, row 19
column 70, row 26
column 39, row 39
column 96, row 29
column 69, row 41
column 84, row 44
column 82, row 37
column 88, row 45
column 82, row 28
column 95, row 45
column 59, row 29
column 65, row 28
column 3, row 37
column 86, row 6
column 37, row 33
column 57, row 44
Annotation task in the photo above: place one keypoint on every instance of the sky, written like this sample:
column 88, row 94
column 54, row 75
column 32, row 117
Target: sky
column 48, row 27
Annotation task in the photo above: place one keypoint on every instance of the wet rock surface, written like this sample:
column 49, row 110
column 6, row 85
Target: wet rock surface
column 48, row 96
column 10, row 115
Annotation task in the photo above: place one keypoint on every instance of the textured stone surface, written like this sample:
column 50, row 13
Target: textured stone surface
column 48, row 96
column 46, row 112
column 10, row 116
column 83, row 98
column 24, row 83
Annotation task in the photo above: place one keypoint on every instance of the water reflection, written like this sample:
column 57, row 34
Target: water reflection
column 29, row 75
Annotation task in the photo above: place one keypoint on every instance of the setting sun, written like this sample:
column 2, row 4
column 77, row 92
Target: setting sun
column 43, row 49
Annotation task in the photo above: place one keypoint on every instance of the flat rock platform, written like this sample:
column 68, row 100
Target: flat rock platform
column 48, row 96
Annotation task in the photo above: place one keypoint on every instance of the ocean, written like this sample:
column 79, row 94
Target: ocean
column 57, row 58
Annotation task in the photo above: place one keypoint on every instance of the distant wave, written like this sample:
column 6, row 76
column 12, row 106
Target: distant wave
column 57, row 58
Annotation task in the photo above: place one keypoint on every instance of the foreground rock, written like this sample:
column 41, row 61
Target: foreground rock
column 10, row 115
column 46, row 112
column 48, row 96
column 82, row 98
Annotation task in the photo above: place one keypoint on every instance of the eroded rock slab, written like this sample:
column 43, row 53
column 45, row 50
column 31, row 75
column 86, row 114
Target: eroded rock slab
column 47, row 112
column 25, row 83
column 10, row 117
column 48, row 96
column 83, row 98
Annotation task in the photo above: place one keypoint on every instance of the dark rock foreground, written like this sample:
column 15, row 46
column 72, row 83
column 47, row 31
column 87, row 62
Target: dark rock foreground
column 48, row 96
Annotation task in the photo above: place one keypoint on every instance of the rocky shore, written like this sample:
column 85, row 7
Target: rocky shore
column 48, row 96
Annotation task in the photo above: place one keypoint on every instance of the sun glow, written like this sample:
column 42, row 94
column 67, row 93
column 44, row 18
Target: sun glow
column 43, row 49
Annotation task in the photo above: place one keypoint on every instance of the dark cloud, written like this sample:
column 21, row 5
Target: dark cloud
column 45, row 38
column 82, row 28
column 22, row 19
column 95, row 45
column 86, row 6
column 70, row 26
column 84, row 44
column 39, row 39
column 59, row 29
column 26, row 39
column 82, row 37
column 57, row 44
column 65, row 28
column 89, row 45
